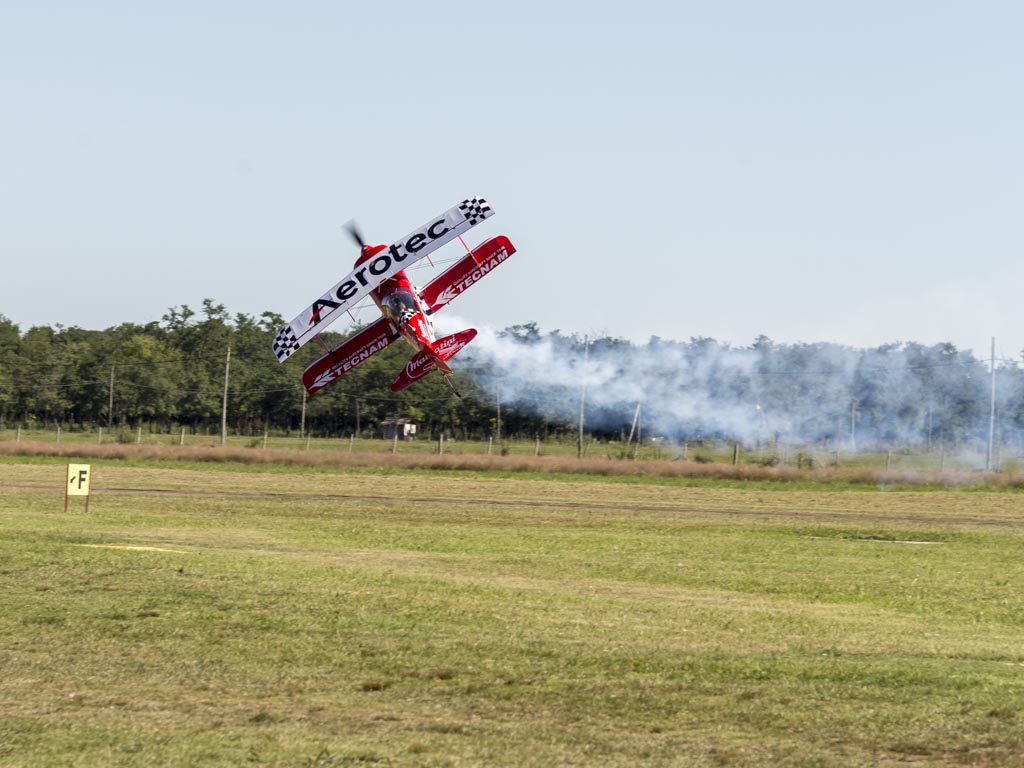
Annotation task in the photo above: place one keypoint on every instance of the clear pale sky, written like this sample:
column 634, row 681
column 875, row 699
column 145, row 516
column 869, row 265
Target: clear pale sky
column 811, row 171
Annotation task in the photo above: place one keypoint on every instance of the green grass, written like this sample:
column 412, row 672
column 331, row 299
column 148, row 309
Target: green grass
column 749, row 476
column 503, row 621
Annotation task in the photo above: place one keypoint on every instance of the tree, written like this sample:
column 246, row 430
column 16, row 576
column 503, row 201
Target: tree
column 10, row 338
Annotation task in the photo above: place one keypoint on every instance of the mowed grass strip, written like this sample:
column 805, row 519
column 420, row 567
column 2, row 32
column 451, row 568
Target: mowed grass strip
column 617, row 624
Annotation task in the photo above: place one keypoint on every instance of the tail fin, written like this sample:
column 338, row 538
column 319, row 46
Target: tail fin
column 435, row 356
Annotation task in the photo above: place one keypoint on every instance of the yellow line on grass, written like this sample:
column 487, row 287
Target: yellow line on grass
column 140, row 549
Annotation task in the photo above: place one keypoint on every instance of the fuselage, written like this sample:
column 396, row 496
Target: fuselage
column 397, row 300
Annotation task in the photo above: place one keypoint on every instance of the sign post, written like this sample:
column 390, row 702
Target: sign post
column 79, row 480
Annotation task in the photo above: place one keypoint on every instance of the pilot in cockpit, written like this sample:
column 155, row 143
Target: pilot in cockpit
column 399, row 305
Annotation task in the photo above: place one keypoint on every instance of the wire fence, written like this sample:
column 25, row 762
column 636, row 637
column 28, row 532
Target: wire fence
column 384, row 439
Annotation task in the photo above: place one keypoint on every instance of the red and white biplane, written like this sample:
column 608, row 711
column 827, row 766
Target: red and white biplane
column 379, row 273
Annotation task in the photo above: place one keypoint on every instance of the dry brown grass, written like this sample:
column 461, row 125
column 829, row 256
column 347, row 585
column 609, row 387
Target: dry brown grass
column 386, row 460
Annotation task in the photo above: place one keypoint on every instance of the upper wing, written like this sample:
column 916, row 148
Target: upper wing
column 368, row 276
column 347, row 355
column 466, row 271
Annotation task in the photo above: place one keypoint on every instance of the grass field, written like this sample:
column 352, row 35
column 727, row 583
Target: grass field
column 249, row 615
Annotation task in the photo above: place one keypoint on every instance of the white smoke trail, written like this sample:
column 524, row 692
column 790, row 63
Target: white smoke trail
column 701, row 388
column 546, row 375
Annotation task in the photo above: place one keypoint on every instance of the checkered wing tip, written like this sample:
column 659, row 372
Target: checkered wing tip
column 285, row 343
column 475, row 209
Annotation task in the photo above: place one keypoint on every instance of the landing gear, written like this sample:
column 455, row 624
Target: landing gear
column 448, row 381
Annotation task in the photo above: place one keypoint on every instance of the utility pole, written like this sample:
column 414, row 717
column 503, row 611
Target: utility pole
column 583, row 396
column 497, row 422
column 992, row 411
column 853, row 426
column 929, row 425
column 632, row 428
column 224, row 407
column 110, row 405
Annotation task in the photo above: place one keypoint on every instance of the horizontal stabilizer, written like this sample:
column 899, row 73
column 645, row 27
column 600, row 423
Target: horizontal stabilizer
column 424, row 362
column 347, row 355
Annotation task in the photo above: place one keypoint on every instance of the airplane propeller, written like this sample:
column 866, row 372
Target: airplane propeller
column 356, row 235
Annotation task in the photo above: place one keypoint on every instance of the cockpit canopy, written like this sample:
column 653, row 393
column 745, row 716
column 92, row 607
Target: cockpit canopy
column 399, row 305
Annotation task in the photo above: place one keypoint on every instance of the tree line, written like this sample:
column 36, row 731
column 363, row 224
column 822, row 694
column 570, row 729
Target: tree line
column 522, row 383
column 171, row 374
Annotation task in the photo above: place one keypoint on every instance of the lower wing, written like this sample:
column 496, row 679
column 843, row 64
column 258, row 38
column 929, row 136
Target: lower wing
column 347, row 355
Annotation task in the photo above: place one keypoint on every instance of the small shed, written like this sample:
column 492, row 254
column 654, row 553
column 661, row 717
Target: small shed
column 404, row 428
